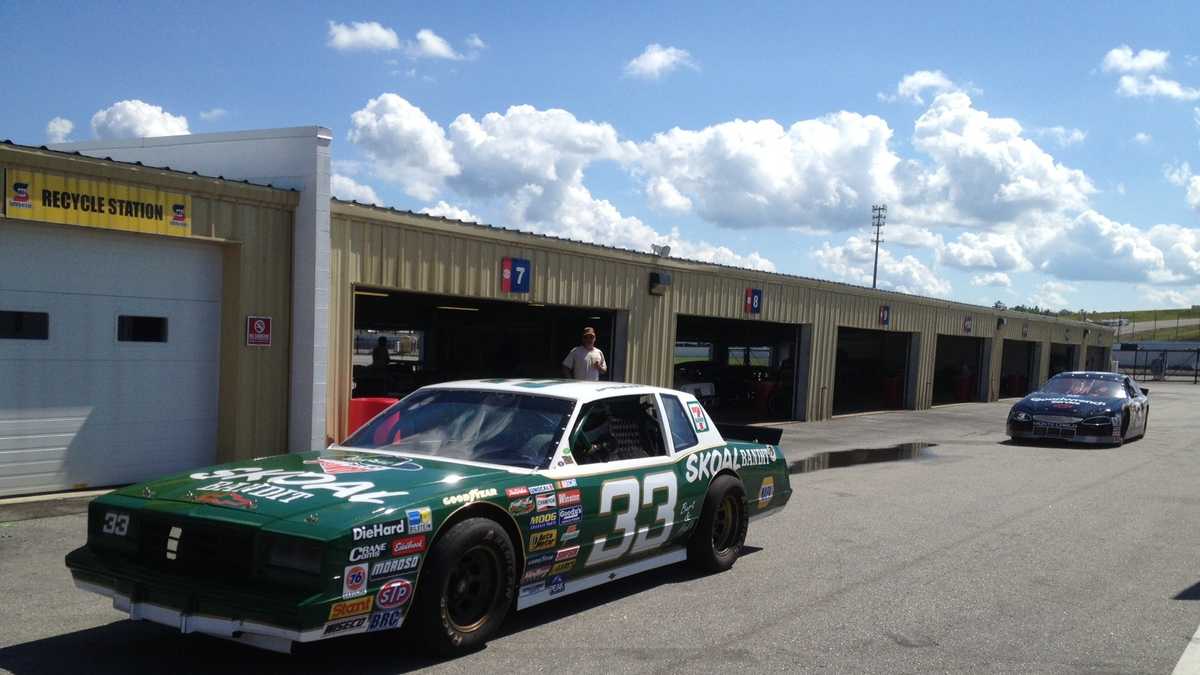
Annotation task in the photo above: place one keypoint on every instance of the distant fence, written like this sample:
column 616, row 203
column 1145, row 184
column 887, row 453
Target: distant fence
column 1179, row 361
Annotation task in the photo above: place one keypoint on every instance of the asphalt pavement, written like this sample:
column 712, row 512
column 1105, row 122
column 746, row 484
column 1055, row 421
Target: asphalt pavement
column 977, row 555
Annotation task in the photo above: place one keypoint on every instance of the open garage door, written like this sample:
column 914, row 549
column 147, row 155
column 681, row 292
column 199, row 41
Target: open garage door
column 872, row 370
column 744, row 371
column 109, row 350
column 1063, row 358
column 959, row 370
column 1018, row 368
column 438, row 338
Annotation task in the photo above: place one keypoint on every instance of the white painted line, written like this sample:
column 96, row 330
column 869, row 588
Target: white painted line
column 1189, row 663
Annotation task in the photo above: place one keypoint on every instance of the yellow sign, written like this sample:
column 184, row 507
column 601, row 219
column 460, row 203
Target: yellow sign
column 95, row 202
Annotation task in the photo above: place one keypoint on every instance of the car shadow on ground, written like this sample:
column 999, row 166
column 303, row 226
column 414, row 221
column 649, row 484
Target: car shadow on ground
column 125, row 647
column 1062, row 445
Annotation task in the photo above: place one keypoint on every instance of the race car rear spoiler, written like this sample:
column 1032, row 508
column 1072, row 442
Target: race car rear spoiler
column 751, row 434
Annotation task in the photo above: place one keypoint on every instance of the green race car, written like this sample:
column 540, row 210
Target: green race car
column 445, row 511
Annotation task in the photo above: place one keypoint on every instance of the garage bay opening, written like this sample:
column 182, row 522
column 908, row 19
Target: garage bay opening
column 1063, row 357
column 959, row 370
column 1018, row 368
column 427, row 339
column 872, row 371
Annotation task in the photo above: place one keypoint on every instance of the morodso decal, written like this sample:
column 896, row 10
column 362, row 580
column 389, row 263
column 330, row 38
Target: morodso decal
column 393, row 566
column 278, row 485
column 709, row 463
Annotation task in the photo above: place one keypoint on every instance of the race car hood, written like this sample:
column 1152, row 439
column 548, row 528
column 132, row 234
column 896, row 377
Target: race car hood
column 1064, row 404
column 341, row 485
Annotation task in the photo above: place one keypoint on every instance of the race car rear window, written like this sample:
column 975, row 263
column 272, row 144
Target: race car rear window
column 682, row 434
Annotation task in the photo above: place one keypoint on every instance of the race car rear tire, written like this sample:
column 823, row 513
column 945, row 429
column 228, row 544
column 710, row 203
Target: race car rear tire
column 467, row 587
column 717, row 541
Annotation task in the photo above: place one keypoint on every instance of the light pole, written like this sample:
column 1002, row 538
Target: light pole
column 878, row 217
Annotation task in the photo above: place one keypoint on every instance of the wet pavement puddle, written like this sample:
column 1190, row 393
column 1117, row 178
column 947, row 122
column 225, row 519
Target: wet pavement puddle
column 839, row 459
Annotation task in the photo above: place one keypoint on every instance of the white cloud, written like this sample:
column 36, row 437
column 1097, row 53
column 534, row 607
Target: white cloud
column 362, row 35
column 1063, row 136
column 1181, row 175
column 213, row 114
column 1121, row 189
column 657, row 61
column 1095, row 248
column 1123, row 60
column 1138, row 78
column 994, row 279
column 348, row 189
column 1142, row 138
column 1168, row 297
column 58, row 130
column 912, row 86
column 913, row 237
column 853, row 261
column 1052, row 295
column 406, row 146
column 137, row 119
column 475, row 42
column 663, row 195
column 430, row 45
column 444, row 209
column 986, row 250
column 1180, row 247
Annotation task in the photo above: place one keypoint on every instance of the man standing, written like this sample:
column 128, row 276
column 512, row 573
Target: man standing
column 585, row 362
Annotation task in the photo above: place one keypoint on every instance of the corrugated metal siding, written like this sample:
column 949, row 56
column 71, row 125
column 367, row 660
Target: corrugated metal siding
column 253, row 227
column 409, row 252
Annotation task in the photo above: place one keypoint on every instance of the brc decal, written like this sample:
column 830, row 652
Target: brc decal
column 419, row 520
column 341, row 610
column 520, row 507
column 378, row 530
column 394, row 566
column 569, row 498
column 540, row 541
column 386, row 620
column 514, row 492
column 393, row 594
column 468, row 497
column 354, row 581
column 704, row 465
column 408, row 545
column 542, row 521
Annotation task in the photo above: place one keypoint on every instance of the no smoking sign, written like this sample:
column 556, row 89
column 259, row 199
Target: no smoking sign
column 258, row 331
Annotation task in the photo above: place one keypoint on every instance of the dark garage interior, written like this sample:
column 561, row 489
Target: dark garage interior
column 437, row 338
column 1018, row 368
column 743, row 371
column 1062, row 358
column 871, row 370
column 1095, row 359
column 958, row 370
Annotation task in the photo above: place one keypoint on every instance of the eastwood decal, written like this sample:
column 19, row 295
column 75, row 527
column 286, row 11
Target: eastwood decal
column 255, row 481
column 387, row 568
column 707, row 464
column 468, row 497
column 408, row 545
column 378, row 530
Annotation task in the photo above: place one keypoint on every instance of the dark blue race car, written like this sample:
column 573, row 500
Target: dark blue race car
column 1085, row 407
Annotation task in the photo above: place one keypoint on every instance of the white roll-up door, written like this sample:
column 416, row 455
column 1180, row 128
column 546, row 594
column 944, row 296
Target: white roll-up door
column 108, row 356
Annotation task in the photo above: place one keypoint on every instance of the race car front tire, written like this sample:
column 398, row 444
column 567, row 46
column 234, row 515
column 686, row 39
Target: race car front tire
column 717, row 541
column 467, row 587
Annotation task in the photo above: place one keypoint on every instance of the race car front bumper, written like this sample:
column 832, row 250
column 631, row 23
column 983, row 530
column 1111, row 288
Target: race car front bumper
column 1075, row 433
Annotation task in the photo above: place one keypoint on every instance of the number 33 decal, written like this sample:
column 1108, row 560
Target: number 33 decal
column 116, row 523
column 634, row 539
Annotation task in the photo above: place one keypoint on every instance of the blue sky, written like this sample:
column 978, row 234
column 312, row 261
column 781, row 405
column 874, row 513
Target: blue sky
column 1028, row 152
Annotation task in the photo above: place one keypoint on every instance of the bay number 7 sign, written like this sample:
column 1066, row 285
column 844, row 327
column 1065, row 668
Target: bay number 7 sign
column 514, row 275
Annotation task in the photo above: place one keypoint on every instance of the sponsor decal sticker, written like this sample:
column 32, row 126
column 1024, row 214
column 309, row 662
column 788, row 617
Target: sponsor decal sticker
column 468, row 497
column 698, row 419
column 567, row 553
column 535, row 574
column 702, row 465
column 541, row 521
column 279, row 485
column 419, row 520
column 386, row 620
column 368, row 551
column 570, row 533
column 357, row 624
column 557, row 585
column 394, row 566
column 571, row 515
column 532, row 589
column 562, row 567
column 569, row 498
column 514, row 492
column 519, row 507
column 408, row 545
column 568, row 483
column 766, row 491
column 340, row 466
column 227, row 499
column 20, row 196
column 378, row 530
column 393, row 594
column 341, row 610
column 540, row 541
column 546, row 502
column 354, row 581
column 541, row 489
column 540, row 559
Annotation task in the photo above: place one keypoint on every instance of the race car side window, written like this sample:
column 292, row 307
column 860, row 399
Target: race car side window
column 617, row 428
column 682, row 434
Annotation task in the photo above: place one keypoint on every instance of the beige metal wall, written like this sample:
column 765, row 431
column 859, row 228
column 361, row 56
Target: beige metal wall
column 252, row 226
column 403, row 251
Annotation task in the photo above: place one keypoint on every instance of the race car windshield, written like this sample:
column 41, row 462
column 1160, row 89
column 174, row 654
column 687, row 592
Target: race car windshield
column 495, row 427
column 1084, row 386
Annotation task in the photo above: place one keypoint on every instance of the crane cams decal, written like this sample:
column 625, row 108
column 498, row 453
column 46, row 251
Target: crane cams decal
column 702, row 465
column 266, row 484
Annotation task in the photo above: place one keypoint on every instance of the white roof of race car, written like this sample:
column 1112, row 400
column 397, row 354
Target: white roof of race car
column 579, row 390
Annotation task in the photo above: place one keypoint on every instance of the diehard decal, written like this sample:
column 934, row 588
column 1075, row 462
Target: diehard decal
column 354, row 581
column 378, row 530
column 702, row 465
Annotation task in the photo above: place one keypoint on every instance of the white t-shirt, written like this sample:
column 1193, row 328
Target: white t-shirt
column 585, row 364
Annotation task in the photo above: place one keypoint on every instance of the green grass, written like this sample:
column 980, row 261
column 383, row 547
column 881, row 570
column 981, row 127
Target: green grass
column 1165, row 332
column 1143, row 315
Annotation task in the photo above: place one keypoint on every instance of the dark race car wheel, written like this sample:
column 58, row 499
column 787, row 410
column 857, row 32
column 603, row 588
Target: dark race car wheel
column 467, row 587
column 717, row 541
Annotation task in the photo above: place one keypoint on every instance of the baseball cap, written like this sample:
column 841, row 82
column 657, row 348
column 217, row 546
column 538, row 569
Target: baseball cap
column 589, row 331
